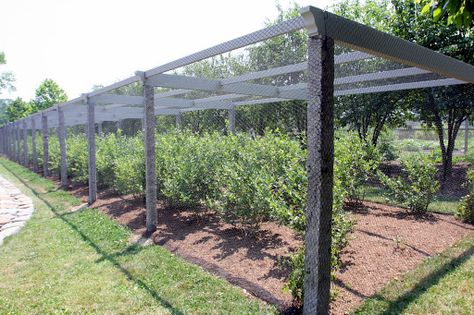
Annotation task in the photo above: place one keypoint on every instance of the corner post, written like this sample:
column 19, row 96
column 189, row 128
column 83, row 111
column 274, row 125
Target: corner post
column 150, row 153
column 44, row 123
column 61, row 130
column 91, row 149
column 320, row 132
column 34, row 157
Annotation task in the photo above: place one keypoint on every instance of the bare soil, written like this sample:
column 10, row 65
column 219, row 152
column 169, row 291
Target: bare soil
column 385, row 243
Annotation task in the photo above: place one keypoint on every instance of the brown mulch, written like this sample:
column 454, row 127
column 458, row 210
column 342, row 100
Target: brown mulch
column 385, row 243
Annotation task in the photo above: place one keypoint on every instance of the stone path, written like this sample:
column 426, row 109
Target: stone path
column 15, row 209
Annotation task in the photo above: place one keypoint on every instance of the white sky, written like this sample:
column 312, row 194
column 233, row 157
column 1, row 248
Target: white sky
column 80, row 43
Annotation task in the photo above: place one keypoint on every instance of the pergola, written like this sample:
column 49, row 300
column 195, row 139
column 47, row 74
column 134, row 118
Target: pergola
column 416, row 67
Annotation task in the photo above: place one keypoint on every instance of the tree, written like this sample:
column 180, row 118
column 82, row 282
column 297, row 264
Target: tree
column 438, row 107
column 6, row 78
column 48, row 94
column 459, row 12
column 369, row 114
column 17, row 109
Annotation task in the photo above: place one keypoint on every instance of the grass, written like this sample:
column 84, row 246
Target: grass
column 440, row 204
column 63, row 262
column 442, row 284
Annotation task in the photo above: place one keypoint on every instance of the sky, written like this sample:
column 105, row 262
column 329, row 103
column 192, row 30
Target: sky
column 82, row 43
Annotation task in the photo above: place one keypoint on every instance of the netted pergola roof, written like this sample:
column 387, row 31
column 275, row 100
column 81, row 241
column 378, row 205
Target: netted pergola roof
column 367, row 61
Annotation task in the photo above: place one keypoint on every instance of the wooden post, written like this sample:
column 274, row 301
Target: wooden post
column 18, row 143
column 232, row 120
column 33, row 145
column 150, row 154
column 99, row 128
column 91, row 149
column 179, row 120
column 466, row 135
column 320, row 175
column 25, row 143
column 44, row 122
column 61, row 130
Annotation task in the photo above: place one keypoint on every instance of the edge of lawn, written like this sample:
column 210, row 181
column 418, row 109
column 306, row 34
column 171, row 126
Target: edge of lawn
column 83, row 262
column 440, row 284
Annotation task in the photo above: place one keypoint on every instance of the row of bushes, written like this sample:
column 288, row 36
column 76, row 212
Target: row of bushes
column 244, row 179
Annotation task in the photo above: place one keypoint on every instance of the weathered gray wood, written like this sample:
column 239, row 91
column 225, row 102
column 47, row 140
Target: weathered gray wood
column 18, row 143
column 320, row 175
column 232, row 120
column 34, row 157
column 25, row 143
column 150, row 158
column 44, row 122
column 466, row 135
column 62, row 145
column 179, row 120
column 99, row 128
column 91, row 150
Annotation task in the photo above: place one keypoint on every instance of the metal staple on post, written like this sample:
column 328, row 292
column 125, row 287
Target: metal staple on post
column 44, row 125
column 150, row 154
column 62, row 145
column 320, row 175
column 91, row 148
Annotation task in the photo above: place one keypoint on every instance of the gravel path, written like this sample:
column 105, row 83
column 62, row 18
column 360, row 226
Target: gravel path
column 15, row 209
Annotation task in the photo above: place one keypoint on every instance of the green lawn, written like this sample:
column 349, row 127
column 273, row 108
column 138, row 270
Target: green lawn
column 81, row 262
column 443, row 284
column 440, row 204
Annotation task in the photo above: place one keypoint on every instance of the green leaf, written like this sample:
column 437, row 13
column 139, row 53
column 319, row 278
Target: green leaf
column 437, row 14
column 426, row 8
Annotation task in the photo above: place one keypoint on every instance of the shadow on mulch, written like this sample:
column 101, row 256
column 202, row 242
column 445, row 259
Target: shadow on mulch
column 386, row 242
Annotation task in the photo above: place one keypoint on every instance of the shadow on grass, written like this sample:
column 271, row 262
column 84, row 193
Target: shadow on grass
column 131, row 250
column 403, row 301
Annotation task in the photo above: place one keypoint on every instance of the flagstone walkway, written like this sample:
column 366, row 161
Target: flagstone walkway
column 15, row 209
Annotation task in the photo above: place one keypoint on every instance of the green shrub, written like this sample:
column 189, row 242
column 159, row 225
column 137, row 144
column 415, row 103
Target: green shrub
column 465, row 211
column 357, row 161
column 386, row 146
column 417, row 186
column 77, row 157
column 128, row 166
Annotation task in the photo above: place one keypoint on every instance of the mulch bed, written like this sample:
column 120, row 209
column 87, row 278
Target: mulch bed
column 385, row 243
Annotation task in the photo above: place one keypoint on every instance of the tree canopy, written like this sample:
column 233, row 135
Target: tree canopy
column 457, row 12
column 48, row 94
column 6, row 78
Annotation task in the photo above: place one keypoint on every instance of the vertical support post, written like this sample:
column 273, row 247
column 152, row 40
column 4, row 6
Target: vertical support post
column 150, row 154
column 320, row 175
column 25, row 143
column 33, row 145
column 44, row 125
column 232, row 120
column 61, row 130
column 91, row 149
column 18, row 142
column 466, row 135
column 179, row 120
column 99, row 128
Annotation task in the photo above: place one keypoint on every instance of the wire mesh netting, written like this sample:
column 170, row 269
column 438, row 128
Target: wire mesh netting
column 231, row 155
